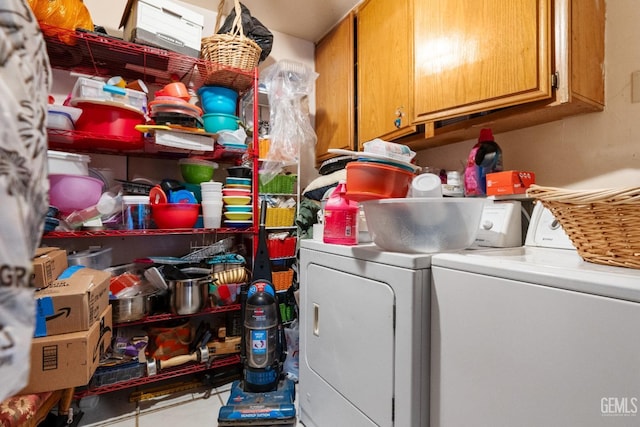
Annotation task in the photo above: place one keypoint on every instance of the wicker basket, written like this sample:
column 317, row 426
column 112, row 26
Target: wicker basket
column 280, row 184
column 603, row 225
column 280, row 217
column 232, row 49
column 282, row 279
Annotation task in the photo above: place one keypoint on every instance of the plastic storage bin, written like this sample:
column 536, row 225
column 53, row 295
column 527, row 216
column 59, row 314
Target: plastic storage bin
column 280, row 217
column 60, row 162
column 94, row 90
column 106, row 375
column 280, row 184
column 96, row 258
column 282, row 248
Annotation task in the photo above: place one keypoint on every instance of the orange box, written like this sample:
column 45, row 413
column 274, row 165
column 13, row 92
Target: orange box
column 509, row 182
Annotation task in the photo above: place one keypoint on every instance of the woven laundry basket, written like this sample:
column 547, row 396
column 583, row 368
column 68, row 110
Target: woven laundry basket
column 603, row 225
column 232, row 49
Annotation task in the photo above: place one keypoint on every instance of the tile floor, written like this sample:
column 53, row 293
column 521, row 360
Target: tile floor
column 190, row 408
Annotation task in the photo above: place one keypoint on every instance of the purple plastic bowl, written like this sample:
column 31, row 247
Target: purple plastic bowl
column 71, row 193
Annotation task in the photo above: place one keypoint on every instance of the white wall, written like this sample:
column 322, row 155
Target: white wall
column 591, row 151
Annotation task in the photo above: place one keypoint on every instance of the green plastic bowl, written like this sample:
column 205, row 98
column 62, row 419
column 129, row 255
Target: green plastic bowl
column 196, row 171
column 216, row 122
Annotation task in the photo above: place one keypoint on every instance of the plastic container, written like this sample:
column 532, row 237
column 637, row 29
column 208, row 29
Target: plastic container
column 71, row 193
column 215, row 122
column 107, row 119
column 371, row 181
column 426, row 185
column 340, row 218
column 60, row 162
column 196, row 171
column 89, row 89
column 96, row 258
column 218, row 99
column 175, row 215
column 136, row 212
column 425, row 224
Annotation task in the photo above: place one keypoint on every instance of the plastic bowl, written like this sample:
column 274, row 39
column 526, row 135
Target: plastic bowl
column 238, row 216
column 218, row 99
column 423, row 225
column 215, row 122
column 108, row 119
column 239, row 172
column 372, row 181
column 175, row 215
column 237, row 224
column 239, row 208
column 236, row 200
column 71, row 193
column 235, row 192
column 232, row 180
column 196, row 171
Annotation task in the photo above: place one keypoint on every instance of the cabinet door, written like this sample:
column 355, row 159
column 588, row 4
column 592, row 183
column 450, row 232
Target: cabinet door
column 334, row 58
column 478, row 56
column 384, row 70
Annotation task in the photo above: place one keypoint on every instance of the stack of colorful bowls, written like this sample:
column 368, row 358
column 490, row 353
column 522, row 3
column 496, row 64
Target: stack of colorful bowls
column 236, row 195
column 219, row 104
column 211, row 193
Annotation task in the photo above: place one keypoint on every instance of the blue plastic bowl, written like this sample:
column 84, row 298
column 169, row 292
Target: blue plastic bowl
column 218, row 99
column 215, row 122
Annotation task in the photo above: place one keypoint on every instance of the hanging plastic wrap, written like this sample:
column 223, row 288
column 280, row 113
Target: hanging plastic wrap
column 288, row 85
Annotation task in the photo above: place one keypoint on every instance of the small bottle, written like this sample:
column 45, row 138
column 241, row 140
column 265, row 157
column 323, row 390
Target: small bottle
column 340, row 218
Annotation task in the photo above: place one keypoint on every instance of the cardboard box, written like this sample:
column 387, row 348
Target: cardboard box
column 48, row 263
column 164, row 24
column 509, row 182
column 68, row 360
column 72, row 304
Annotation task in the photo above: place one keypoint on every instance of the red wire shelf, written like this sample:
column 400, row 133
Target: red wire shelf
column 80, row 141
column 168, row 316
column 106, row 56
column 189, row 368
column 148, row 232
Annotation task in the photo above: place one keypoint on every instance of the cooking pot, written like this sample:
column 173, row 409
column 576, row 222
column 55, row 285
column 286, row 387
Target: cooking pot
column 132, row 308
column 190, row 294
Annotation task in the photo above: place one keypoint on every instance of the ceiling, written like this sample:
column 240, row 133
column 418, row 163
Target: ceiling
column 305, row 19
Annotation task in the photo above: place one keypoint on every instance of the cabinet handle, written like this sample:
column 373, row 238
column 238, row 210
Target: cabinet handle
column 316, row 319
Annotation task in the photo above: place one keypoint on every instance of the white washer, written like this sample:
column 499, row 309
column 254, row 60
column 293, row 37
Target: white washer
column 534, row 336
column 364, row 336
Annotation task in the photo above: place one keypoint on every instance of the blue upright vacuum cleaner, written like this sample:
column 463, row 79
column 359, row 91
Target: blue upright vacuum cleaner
column 264, row 396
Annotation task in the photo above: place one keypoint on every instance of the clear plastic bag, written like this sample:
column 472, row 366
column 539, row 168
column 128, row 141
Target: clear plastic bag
column 288, row 85
column 292, row 362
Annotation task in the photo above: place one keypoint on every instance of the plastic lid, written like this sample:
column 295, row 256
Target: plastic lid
column 195, row 161
column 62, row 155
column 135, row 200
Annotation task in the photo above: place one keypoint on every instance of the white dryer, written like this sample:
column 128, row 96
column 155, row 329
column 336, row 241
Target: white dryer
column 364, row 336
column 534, row 336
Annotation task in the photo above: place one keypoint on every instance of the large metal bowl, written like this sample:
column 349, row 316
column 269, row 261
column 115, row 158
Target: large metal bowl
column 424, row 225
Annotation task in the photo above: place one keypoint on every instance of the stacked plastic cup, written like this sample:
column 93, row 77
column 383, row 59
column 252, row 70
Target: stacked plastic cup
column 211, row 204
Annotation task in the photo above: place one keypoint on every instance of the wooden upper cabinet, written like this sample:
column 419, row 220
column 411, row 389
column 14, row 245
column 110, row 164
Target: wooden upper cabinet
column 475, row 56
column 335, row 97
column 384, row 46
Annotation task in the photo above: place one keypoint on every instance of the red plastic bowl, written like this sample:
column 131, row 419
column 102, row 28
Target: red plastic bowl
column 175, row 215
column 371, row 181
column 108, row 119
